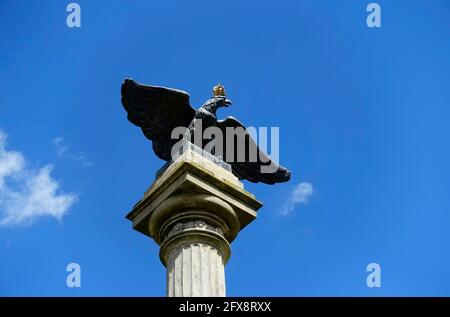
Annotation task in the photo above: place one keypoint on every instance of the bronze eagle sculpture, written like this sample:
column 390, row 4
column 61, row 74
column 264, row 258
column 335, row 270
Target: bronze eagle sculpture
column 159, row 110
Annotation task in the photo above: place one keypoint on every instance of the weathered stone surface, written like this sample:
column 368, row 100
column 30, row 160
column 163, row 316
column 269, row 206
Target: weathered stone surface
column 195, row 269
column 194, row 210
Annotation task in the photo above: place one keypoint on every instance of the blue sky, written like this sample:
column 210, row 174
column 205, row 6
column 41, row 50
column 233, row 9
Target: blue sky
column 363, row 116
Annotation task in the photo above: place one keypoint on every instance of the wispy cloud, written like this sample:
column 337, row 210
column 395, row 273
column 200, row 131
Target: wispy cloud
column 27, row 194
column 63, row 150
column 300, row 195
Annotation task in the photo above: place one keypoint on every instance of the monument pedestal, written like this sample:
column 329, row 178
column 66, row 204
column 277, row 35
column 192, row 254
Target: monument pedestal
column 194, row 210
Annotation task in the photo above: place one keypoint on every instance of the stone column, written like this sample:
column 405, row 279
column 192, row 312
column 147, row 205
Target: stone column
column 194, row 210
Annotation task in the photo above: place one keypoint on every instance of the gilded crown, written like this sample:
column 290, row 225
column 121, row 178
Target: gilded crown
column 219, row 91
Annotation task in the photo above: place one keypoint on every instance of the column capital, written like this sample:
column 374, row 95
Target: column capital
column 193, row 182
column 194, row 210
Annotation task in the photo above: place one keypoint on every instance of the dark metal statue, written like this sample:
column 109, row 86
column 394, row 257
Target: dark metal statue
column 158, row 110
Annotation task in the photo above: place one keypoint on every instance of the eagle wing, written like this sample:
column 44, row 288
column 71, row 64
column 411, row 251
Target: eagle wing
column 260, row 168
column 157, row 111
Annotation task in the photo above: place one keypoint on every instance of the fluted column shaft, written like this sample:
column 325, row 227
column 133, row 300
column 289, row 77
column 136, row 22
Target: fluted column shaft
column 195, row 250
column 195, row 269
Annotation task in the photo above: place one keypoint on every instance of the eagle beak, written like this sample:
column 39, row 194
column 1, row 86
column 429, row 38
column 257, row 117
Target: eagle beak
column 227, row 103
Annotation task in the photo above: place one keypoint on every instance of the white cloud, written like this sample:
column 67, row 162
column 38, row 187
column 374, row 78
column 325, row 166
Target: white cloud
column 300, row 195
column 63, row 150
column 27, row 194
